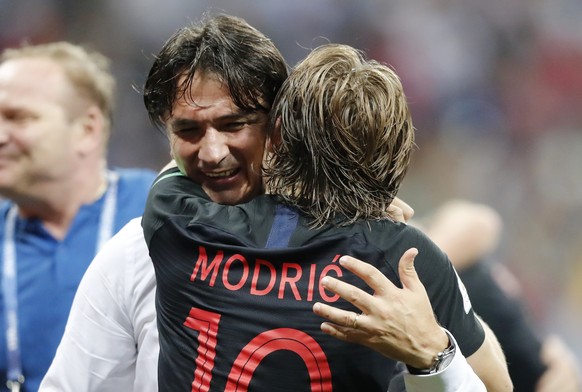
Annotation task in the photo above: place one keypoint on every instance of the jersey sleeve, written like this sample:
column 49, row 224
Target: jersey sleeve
column 448, row 296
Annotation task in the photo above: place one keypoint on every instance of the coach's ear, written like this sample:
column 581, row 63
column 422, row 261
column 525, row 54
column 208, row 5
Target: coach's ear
column 275, row 136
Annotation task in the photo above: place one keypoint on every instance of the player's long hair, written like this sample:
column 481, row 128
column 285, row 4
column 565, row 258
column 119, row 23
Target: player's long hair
column 346, row 137
column 241, row 56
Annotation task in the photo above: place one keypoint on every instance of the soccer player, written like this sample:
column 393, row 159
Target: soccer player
column 236, row 284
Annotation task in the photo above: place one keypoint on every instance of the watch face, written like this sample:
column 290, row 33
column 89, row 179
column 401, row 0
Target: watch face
column 447, row 358
column 444, row 358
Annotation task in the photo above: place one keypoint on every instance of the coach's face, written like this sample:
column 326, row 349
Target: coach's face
column 215, row 143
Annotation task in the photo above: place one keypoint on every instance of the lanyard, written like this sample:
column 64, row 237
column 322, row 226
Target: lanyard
column 14, row 375
column 106, row 222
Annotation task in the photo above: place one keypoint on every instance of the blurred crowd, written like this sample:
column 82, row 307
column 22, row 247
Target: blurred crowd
column 495, row 89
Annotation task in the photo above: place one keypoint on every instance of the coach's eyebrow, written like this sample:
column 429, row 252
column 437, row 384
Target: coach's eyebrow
column 182, row 122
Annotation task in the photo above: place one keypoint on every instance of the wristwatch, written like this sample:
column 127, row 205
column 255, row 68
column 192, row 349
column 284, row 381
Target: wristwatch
column 441, row 360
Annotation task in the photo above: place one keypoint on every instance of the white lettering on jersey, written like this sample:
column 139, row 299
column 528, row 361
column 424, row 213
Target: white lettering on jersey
column 466, row 301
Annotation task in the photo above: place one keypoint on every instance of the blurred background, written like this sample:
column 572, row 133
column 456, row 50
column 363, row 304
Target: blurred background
column 495, row 88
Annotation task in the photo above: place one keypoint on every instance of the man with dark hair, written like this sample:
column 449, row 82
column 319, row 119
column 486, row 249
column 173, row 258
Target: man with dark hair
column 236, row 284
column 111, row 340
column 211, row 88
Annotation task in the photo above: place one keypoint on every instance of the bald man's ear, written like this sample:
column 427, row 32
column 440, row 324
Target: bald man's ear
column 90, row 126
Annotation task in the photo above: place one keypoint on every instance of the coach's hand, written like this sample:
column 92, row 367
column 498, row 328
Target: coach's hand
column 396, row 322
column 400, row 211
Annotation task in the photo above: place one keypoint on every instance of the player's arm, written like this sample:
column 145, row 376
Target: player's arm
column 169, row 166
column 489, row 363
column 172, row 194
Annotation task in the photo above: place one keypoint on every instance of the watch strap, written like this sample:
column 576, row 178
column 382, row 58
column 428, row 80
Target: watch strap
column 441, row 360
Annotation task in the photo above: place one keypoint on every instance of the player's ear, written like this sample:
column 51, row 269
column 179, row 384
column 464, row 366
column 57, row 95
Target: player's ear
column 275, row 137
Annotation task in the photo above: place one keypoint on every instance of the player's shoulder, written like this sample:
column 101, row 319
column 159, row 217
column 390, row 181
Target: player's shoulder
column 386, row 231
column 395, row 238
column 411, row 232
column 249, row 223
